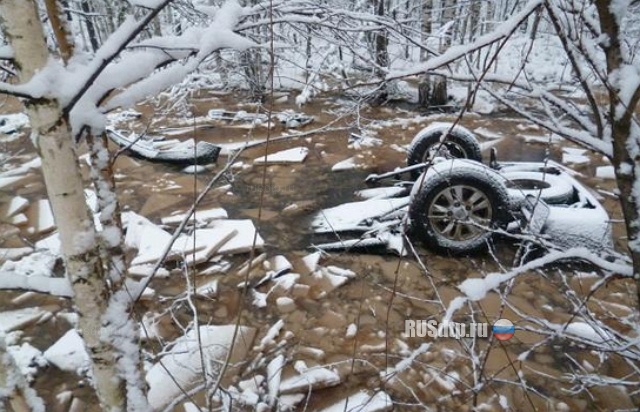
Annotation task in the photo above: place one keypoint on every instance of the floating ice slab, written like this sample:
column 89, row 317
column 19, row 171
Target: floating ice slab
column 347, row 164
column 206, row 241
column 352, row 216
column 41, row 216
column 182, row 364
column 68, row 353
column 28, row 359
column 605, row 172
column 146, row 270
column 50, row 243
column 153, row 242
column 363, row 402
column 16, row 319
column 293, row 155
column 311, row 261
column 36, row 264
column 7, row 182
column 208, row 290
column 574, row 155
column 16, row 205
column 200, row 216
column 242, row 242
column 309, row 379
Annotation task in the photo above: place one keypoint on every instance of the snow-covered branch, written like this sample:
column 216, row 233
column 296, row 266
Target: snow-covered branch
column 454, row 53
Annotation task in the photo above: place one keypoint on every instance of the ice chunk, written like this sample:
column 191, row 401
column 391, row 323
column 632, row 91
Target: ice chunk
column 363, row 402
column 182, row 364
column 153, row 242
column 200, row 216
column 293, row 155
column 311, row 261
column 243, row 240
column 355, row 215
column 146, row 270
column 285, row 304
column 28, row 359
column 8, row 182
column 274, row 377
column 574, row 155
column 17, row 319
column 69, row 353
column 605, row 172
column 209, row 289
column 14, row 206
column 347, row 164
column 206, row 242
column 41, row 216
column 309, row 379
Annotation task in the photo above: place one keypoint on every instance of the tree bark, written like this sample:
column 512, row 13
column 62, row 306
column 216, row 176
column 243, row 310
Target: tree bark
column 63, row 181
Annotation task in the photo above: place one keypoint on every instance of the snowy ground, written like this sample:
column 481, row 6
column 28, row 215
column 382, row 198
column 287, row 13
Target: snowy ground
column 328, row 329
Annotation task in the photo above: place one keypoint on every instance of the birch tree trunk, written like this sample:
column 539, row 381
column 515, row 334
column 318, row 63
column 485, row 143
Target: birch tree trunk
column 54, row 144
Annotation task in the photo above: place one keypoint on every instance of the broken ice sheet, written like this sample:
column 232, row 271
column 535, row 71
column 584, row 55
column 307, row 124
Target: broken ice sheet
column 242, row 242
column 309, row 379
column 605, row 172
column 16, row 319
column 41, row 217
column 200, row 216
column 69, row 353
column 28, row 359
column 363, row 402
column 574, row 155
column 16, row 205
column 347, row 164
column 354, row 215
column 293, row 155
column 181, row 366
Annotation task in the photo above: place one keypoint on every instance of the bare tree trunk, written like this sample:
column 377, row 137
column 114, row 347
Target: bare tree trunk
column 60, row 29
column 88, row 21
column 381, row 54
column 63, row 181
column 426, row 23
column 625, row 134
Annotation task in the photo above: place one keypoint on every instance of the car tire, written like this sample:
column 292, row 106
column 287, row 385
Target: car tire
column 456, row 212
column 459, row 143
column 553, row 189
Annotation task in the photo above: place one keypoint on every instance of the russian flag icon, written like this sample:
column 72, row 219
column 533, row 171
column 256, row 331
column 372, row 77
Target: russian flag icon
column 503, row 329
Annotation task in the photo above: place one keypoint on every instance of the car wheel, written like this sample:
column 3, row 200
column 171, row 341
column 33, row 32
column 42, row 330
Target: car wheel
column 457, row 212
column 459, row 143
column 553, row 189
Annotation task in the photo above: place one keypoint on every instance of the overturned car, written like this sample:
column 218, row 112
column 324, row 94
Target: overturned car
column 455, row 204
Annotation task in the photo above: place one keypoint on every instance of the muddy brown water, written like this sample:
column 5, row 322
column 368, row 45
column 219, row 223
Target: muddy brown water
column 156, row 190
